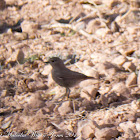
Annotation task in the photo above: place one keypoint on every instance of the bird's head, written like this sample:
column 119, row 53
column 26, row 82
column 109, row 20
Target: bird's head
column 56, row 62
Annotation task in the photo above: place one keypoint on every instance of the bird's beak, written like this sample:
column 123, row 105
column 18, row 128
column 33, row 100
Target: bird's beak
column 47, row 62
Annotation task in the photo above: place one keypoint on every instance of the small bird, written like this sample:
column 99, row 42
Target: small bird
column 64, row 76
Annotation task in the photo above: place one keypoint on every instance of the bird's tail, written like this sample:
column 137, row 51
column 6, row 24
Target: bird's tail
column 89, row 77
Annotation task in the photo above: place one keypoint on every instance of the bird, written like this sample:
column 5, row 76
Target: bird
column 64, row 76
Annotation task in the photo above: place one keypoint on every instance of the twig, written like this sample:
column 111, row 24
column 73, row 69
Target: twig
column 59, row 25
column 125, row 15
column 129, row 11
column 73, row 102
column 99, row 14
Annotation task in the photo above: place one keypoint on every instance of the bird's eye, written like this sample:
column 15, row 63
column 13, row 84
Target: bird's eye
column 53, row 60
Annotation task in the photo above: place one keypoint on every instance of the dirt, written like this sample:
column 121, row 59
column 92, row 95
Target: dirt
column 99, row 38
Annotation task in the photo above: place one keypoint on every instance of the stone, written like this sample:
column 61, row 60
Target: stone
column 92, row 26
column 138, row 125
column 107, row 69
column 2, row 4
column 133, row 29
column 106, row 133
column 120, row 60
column 18, row 55
column 110, row 3
column 5, row 138
column 50, row 80
column 120, row 88
column 35, row 76
column 138, row 79
column 80, row 25
column 102, row 32
column 65, row 108
column 6, row 125
column 103, row 100
column 89, row 92
column 86, row 129
column 20, row 36
column 98, row 57
column 88, row 82
column 125, row 126
column 129, row 66
column 11, row 2
column 36, row 101
column 87, row 132
column 92, row 73
column 37, row 85
column 88, row 63
column 47, row 70
column 29, row 26
column 131, row 80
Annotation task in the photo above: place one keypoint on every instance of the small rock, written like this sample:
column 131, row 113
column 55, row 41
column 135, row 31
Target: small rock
column 2, row 84
column 103, row 100
column 86, row 129
column 35, row 76
column 4, row 93
column 87, row 132
column 18, row 55
column 6, row 125
column 129, row 66
column 138, row 79
column 13, row 71
column 65, row 108
column 87, row 105
column 20, row 36
column 93, row 25
column 50, row 80
column 80, row 25
column 11, row 2
column 112, row 97
column 37, row 85
column 29, row 26
column 57, row 92
column 5, row 138
column 89, row 92
column 120, row 88
column 88, row 63
column 131, row 80
column 47, row 69
column 98, row 58
column 120, row 60
column 2, row 4
column 114, row 27
column 88, row 82
column 92, row 73
column 138, row 125
column 107, row 69
column 124, row 51
column 36, row 101
column 133, row 29
column 106, row 133
column 125, row 126
column 102, row 32
column 110, row 3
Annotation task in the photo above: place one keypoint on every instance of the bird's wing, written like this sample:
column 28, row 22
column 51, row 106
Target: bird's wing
column 72, row 75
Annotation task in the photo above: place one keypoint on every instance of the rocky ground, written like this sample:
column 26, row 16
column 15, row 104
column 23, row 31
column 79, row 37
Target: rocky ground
column 100, row 38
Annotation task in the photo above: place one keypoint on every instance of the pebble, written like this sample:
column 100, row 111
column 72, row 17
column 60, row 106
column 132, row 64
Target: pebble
column 65, row 108
column 106, row 133
column 131, row 80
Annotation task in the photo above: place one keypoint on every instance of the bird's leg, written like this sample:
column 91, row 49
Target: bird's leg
column 67, row 92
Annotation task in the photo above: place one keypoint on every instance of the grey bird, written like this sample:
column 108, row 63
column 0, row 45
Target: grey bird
column 64, row 76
